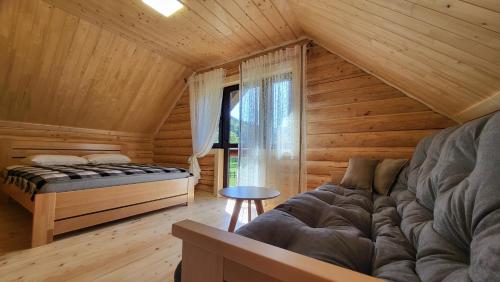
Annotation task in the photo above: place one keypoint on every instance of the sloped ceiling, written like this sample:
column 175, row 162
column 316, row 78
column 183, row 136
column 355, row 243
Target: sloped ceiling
column 445, row 53
column 200, row 34
column 58, row 69
column 119, row 65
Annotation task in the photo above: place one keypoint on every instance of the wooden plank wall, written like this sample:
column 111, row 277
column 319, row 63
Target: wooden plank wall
column 349, row 113
column 173, row 145
column 136, row 145
column 206, row 182
column 352, row 113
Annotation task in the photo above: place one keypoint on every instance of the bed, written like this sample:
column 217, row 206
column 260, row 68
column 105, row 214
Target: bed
column 68, row 206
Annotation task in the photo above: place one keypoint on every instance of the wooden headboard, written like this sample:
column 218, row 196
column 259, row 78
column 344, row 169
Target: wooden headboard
column 14, row 151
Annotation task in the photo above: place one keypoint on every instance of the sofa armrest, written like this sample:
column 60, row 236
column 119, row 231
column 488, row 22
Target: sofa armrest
column 210, row 254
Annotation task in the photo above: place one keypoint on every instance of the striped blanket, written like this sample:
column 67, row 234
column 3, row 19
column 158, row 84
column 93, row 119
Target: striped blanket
column 32, row 178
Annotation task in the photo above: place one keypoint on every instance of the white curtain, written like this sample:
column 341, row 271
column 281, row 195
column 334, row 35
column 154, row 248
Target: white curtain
column 270, row 119
column 205, row 100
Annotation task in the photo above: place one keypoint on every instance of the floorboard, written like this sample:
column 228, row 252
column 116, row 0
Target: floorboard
column 141, row 248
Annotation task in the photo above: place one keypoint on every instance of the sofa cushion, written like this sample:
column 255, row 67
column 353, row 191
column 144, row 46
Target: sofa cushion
column 386, row 173
column 394, row 256
column 331, row 224
column 359, row 174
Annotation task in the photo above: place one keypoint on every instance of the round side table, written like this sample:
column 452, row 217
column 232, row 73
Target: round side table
column 247, row 193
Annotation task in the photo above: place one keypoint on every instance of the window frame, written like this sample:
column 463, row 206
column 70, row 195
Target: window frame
column 225, row 128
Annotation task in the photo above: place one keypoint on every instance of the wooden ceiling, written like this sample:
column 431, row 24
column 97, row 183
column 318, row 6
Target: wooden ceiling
column 119, row 65
column 58, row 69
column 445, row 53
column 200, row 34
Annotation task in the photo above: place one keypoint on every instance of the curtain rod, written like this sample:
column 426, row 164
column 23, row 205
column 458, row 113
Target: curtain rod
column 301, row 40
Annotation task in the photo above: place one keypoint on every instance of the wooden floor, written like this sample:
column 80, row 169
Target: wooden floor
column 136, row 249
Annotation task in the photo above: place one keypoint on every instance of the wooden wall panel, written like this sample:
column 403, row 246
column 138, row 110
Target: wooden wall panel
column 349, row 113
column 173, row 144
column 445, row 54
column 206, row 181
column 353, row 114
column 139, row 147
column 58, row 69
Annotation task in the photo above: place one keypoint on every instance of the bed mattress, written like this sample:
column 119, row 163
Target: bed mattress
column 48, row 179
column 81, row 184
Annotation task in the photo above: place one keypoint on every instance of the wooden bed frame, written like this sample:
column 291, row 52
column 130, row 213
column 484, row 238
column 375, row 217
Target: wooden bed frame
column 57, row 213
column 213, row 255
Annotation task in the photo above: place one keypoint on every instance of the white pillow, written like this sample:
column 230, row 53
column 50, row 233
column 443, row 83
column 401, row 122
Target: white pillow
column 107, row 159
column 54, row 160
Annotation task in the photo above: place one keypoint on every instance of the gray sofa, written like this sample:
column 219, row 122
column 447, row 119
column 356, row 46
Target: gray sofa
column 441, row 221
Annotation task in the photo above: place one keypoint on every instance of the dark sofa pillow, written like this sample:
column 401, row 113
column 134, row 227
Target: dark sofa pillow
column 359, row 174
column 386, row 173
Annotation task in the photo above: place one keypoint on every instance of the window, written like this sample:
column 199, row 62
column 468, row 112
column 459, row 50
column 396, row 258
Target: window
column 229, row 134
column 275, row 107
column 282, row 118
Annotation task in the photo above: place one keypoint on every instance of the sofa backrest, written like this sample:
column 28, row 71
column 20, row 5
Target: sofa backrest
column 449, row 202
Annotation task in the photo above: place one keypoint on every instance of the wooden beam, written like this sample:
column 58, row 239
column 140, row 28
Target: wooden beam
column 481, row 108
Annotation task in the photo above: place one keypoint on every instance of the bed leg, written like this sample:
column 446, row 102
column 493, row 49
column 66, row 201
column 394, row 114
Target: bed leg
column 43, row 219
column 190, row 190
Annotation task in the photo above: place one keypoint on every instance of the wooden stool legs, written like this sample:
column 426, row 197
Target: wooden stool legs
column 260, row 208
column 236, row 212
column 249, row 210
column 234, row 217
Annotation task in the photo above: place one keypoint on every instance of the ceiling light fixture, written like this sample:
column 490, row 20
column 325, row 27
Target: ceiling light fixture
column 164, row 7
